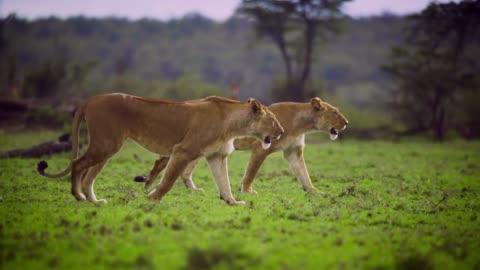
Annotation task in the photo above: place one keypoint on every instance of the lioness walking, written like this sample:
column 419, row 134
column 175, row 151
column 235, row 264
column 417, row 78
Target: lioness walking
column 297, row 119
column 183, row 131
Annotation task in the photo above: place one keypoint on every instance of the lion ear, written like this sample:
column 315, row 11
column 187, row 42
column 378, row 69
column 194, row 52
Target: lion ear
column 256, row 105
column 317, row 104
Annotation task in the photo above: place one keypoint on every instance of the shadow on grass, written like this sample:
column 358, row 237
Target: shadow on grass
column 213, row 257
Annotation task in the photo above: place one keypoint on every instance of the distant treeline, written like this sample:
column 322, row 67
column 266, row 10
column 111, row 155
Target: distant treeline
column 89, row 53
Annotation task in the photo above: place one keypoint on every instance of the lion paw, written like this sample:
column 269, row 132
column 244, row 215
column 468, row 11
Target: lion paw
column 102, row 201
column 199, row 189
column 248, row 190
column 316, row 192
column 80, row 197
column 232, row 201
column 240, row 203
column 311, row 190
column 154, row 196
column 148, row 184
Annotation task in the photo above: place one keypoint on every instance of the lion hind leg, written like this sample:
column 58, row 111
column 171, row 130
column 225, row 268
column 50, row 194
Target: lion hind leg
column 160, row 164
column 79, row 170
column 187, row 176
column 77, row 185
column 93, row 158
column 89, row 181
column 177, row 163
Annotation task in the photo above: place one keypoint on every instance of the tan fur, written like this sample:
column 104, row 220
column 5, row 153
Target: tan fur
column 297, row 119
column 182, row 131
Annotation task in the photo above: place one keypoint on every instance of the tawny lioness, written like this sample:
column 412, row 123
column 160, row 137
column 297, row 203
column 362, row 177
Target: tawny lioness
column 182, row 131
column 297, row 119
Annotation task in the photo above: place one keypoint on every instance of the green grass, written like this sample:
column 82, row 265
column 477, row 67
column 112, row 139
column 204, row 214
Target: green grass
column 407, row 205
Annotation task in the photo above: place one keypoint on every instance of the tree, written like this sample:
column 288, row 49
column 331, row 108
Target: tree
column 294, row 26
column 54, row 77
column 433, row 70
column 46, row 80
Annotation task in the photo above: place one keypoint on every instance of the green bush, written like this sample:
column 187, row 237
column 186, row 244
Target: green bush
column 190, row 87
column 184, row 88
column 46, row 116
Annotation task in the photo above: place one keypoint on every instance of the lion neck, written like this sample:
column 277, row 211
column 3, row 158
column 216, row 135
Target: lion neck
column 304, row 120
column 237, row 122
column 296, row 118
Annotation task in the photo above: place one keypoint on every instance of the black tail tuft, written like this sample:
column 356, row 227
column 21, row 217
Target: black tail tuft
column 140, row 179
column 41, row 166
column 64, row 138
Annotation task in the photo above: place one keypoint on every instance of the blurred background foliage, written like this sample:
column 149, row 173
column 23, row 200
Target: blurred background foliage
column 55, row 63
column 434, row 71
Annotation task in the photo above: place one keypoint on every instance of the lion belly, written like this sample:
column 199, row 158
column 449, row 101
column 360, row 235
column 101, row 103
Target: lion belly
column 116, row 117
column 154, row 145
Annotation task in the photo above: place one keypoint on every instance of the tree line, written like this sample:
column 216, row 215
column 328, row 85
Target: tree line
column 216, row 53
column 421, row 68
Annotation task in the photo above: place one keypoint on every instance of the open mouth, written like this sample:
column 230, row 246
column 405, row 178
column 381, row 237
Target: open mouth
column 333, row 134
column 267, row 141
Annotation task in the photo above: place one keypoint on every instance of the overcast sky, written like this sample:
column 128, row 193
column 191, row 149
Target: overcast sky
column 218, row 10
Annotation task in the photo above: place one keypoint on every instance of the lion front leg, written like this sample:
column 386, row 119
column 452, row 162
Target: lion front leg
column 177, row 163
column 294, row 156
column 254, row 164
column 219, row 168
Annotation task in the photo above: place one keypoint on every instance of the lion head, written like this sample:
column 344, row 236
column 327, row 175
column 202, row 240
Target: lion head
column 265, row 126
column 327, row 117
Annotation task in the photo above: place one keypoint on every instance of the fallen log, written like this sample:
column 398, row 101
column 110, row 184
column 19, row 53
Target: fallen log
column 63, row 144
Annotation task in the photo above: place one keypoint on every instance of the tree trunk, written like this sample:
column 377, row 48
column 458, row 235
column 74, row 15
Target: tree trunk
column 12, row 89
column 440, row 125
column 309, row 36
column 288, row 67
column 438, row 116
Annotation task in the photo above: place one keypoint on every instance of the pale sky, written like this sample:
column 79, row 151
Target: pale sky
column 218, row 10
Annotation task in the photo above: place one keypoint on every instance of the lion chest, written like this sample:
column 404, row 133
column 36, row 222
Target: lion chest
column 222, row 147
column 290, row 141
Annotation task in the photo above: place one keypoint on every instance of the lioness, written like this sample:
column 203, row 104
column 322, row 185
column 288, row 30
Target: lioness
column 297, row 119
column 183, row 131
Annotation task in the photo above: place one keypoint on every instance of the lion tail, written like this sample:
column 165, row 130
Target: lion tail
column 77, row 119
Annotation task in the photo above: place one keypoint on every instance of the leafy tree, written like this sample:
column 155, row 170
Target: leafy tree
column 294, row 26
column 190, row 87
column 215, row 52
column 54, row 77
column 433, row 70
column 184, row 88
column 46, row 80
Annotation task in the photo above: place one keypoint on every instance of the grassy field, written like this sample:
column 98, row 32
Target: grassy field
column 406, row 205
